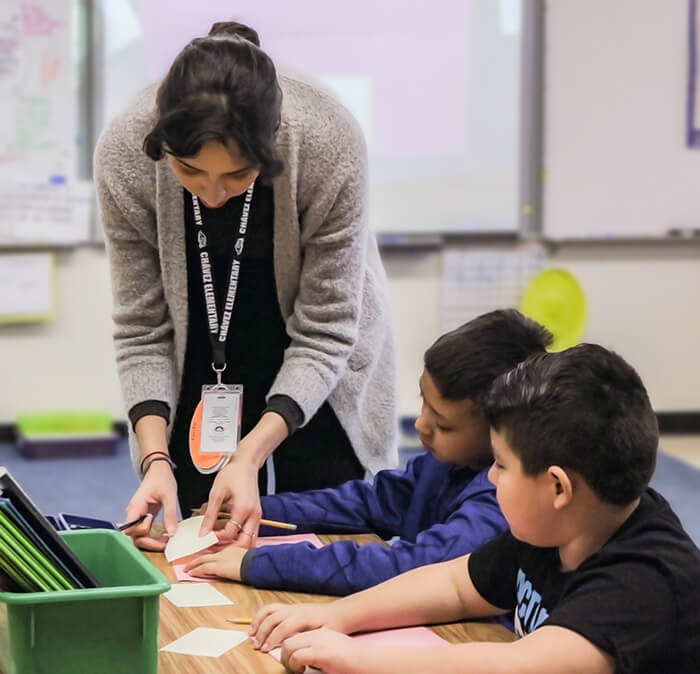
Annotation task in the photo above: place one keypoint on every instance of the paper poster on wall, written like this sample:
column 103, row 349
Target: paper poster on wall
column 484, row 279
column 55, row 213
column 38, row 112
column 26, row 287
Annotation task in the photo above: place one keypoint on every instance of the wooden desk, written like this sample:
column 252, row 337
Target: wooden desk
column 176, row 622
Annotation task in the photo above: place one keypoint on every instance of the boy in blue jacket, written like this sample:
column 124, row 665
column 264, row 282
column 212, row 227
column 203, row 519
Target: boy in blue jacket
column 440, row 507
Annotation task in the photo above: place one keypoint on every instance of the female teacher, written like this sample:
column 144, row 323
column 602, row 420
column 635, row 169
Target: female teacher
column 234, row 204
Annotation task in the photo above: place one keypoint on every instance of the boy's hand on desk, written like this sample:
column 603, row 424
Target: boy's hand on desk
column 274, row 623
column 225, row 563
column 323, row 648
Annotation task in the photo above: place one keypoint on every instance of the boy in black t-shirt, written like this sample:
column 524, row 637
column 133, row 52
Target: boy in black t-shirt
column 601, row 575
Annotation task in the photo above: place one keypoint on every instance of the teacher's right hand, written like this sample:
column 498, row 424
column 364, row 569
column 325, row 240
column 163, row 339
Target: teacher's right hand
column 158, row 490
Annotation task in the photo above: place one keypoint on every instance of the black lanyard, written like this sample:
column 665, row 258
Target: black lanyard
column 219, row 332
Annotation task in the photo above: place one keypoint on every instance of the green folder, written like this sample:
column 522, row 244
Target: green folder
column 15, row 575
column 21, row 523
column 27, row 558
column 63, row 558
column 12, row 560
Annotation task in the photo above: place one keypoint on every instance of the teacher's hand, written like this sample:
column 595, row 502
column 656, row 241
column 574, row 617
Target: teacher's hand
column 158, row 490
column 235, row 490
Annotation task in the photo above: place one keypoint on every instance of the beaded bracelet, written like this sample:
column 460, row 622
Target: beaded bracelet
column 171, row 463
column 143, row 460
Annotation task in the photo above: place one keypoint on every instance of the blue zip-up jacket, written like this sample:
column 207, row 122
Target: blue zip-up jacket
column 438, row 511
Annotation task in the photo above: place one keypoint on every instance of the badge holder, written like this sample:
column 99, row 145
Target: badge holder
column 215, row 428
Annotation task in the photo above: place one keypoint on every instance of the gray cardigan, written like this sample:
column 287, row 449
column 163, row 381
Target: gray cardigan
column 331, row 284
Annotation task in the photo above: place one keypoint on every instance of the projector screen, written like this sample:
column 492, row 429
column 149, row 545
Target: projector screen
column 435, row 86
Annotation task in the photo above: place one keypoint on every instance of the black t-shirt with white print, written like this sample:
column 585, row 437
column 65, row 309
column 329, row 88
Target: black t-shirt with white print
column 637, row 598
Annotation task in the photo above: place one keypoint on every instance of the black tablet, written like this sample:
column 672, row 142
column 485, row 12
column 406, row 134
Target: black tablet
column 40, row 526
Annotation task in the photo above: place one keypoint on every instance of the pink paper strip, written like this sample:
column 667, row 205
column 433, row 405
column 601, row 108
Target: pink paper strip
column 407, row 637
column 411, row 637
column 293, row 538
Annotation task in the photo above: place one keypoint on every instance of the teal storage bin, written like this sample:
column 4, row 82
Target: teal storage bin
column 112, row 629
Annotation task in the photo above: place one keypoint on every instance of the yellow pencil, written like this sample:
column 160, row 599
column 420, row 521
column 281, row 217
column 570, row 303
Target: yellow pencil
column 240, row 621
column 269, row 523
column 279, row 525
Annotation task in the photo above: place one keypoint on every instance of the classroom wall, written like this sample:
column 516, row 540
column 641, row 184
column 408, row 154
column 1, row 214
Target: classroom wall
column 643, row 300
column 67, row 363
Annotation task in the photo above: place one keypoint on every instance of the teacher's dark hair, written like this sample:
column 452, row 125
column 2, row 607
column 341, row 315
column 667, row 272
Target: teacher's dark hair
column 220, row 88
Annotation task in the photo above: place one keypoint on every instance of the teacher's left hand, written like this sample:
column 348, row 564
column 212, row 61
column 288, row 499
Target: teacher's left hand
column 235, row 490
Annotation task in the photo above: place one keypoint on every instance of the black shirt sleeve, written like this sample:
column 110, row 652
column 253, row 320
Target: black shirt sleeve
column 288, row 409
column 142, row 409
column 493, row 570
column 626, row 610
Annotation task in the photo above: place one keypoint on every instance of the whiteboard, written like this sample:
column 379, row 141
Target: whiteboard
column 43, row 201
column 436, row 88
column 616, row 160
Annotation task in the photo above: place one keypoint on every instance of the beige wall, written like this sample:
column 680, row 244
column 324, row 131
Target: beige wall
column 643, row 302
column 67, row 363
column 642, row 299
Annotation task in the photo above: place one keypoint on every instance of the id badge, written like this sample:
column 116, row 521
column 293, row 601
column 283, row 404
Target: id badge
column 222, row 405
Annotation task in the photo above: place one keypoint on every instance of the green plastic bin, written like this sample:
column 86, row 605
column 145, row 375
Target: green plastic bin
column 112, row 629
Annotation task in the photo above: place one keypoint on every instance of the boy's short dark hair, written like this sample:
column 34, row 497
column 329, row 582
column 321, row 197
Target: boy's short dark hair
column 220, row 88
column 463, row 363
column 583, row 409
